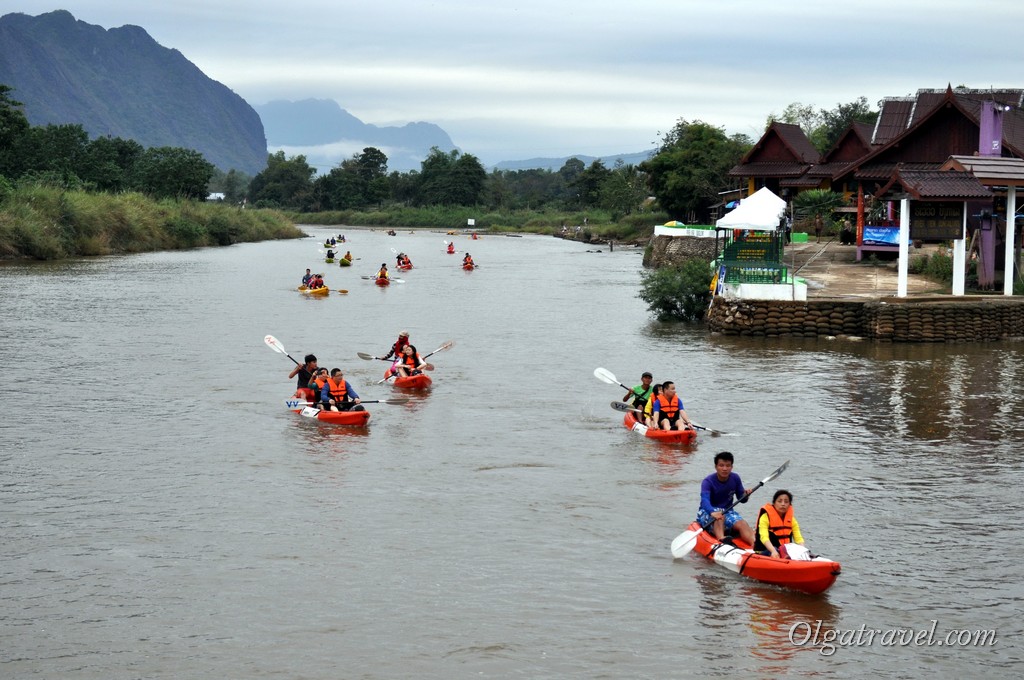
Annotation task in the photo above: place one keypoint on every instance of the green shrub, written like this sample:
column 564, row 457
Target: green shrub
column 918, row 264
column 940, row 267
column 679, row 293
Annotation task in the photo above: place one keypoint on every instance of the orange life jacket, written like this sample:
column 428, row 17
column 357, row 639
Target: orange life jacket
column 411, row 360
column 669, row 409
column 338, row 390
column 780, row 529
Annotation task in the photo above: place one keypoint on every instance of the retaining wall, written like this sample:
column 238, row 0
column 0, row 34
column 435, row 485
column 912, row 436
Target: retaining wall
column 889, row 320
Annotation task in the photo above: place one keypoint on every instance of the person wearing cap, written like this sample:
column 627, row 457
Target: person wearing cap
column 642, row 392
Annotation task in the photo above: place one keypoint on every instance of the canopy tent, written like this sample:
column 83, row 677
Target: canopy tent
column 761, row 211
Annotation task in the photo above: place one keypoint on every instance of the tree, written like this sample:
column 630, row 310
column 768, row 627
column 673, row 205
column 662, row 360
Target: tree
column 450, row 178
column 284, row 183
column 109, row 163
column 13, row 126
column 823, row 127
column 692, row 166
column 623, row 190
column 173, row 172
column 679, row 293
column 588, row 184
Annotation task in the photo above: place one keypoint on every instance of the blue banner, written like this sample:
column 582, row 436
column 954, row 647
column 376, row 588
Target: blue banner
column 881, row 236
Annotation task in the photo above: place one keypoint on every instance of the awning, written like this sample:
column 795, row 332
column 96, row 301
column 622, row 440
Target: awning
column 761, row 211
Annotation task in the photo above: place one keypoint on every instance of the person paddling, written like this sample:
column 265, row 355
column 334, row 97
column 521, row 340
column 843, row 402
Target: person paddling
column 347, row 255
column 716, row 493
column 396, row 352
column 451, row 248
column 382, row 273
column 305, row 372
column 641, row 394
column 306, row 278
column 776, row 525
column 467, row 261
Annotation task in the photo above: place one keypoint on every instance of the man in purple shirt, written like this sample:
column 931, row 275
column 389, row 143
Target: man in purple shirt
column 716, row 494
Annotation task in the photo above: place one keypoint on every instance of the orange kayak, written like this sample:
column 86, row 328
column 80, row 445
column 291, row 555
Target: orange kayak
column 383, row 282
column 808, row 576
column 667, row 436
column 468, row 267
column 420, row 381
column 351, row 418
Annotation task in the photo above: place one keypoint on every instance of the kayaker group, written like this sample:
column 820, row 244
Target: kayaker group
column 323, row 390
column 661, row 407
column 312, row 281
column 407, row 360
column 402, row 261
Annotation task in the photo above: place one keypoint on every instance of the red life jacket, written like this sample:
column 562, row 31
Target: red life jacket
column 669, row 409
column 338, row 390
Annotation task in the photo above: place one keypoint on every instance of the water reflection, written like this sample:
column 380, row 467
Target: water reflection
column 774, row 613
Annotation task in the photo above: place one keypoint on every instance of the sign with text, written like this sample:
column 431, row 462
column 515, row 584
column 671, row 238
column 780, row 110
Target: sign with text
column 936, row 220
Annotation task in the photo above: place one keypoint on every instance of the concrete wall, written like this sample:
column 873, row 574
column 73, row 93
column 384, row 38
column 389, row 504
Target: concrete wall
column 887, row 320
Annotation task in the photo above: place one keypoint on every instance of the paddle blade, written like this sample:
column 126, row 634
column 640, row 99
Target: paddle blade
column 623, row 406
column 776, row 474
column 364, row 355
column 310, row 412
column 273, row 344
column 396, row 401
column 604, row 375
column 713, row 433
column 684, row 543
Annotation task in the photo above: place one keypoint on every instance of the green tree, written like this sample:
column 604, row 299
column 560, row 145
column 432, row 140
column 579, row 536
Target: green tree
column 284, row 183
column 451, row 178
column 108, row 163
column 679, row 293
column 588, row 184
column 623, row 190
column 13, row 127
column 835, row 121
column 692, row 166
column 173, row 172
column 55, row 151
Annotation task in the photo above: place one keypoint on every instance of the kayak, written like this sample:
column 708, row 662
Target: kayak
column 468, row 267
column 382, row 281
column 352, row 418
column 329, row 260
column 316, row 291
column 405, row 267
column 808, row 576
column 420, row 381
column 345, row 263
column 667, row 436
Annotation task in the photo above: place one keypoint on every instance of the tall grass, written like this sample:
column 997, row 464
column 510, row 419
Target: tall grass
column 46, row 223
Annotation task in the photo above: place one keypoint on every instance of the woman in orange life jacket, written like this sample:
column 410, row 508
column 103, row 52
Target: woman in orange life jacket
column 668, row 410
column 451, row 248
column 411, row 363
column 338, row 395
column 468, row 259
column 382, row 273
column 316, row 385
column 649, row 420
column 776, row 525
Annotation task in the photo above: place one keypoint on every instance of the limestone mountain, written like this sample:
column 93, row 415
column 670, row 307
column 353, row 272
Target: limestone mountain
column 328, row 134
column 120, row 82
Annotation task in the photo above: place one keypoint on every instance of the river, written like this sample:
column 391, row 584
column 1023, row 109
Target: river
column 165, row 516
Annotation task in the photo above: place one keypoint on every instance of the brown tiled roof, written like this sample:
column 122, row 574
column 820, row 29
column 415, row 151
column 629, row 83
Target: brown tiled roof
column 936, row 185
column 804, row 181
column 795, row 138
column 828, row 169
column 893, row 119
column 768, row 169
column 990, row 170
column 883, row 171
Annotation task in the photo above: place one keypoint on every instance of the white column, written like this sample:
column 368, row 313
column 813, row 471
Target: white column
column 960, row 257
column 901, row 286
column 1011, row 212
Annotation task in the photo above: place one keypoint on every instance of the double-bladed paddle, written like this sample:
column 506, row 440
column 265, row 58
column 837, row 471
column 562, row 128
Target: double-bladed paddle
column 685, row 541
column 275, row 344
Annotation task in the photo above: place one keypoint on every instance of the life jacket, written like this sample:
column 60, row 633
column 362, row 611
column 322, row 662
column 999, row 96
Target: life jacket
column 451, row 248
column 319, row 382
column 411, row 360
column 669, row 409
column 467, row 260
column 382, row 274
column 640, row 399
column 338, row 391
column 780, row 529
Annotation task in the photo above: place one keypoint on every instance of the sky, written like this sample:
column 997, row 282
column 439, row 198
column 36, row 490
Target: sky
column 522, row 79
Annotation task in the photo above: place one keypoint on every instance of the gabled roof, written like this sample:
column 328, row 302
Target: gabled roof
column 769, row 169
column 990, row 170
column 783, row 145
column 935, row 185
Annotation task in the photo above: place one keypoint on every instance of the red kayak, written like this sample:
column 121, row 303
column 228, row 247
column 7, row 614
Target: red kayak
column 420, row 381
column 468, row 267
column 405, row 267
column 383, row 282
column 351, row 418
column 667, row 436
column 808, row 576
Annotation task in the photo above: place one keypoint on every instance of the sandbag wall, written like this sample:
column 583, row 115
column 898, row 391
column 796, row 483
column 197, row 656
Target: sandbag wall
column 889, row 320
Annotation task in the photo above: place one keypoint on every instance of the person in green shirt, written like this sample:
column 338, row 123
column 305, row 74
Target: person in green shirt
column 642, row 392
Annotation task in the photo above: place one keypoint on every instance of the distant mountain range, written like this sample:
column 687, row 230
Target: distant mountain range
column 120, row 82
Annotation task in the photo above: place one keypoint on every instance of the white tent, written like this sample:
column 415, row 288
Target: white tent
column 761, row 211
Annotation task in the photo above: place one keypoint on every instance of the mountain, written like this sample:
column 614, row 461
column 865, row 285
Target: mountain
column 327, row 134
column 557, row 163
column 120, row 82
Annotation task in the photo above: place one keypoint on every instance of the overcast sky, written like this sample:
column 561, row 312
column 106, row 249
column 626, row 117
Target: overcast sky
column 525, row 78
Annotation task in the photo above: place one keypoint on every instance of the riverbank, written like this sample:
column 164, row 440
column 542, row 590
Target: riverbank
column 47, row 223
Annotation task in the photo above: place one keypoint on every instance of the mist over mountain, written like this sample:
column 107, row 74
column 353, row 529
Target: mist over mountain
column 120, row 82
column 557, row 163
column 327, row 134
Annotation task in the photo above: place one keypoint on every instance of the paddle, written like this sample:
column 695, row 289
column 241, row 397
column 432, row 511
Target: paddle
column 274, row 344
column 604, row 375
column 685, row 541
column 294, row 404
column 391, row 279
column 427, row 366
